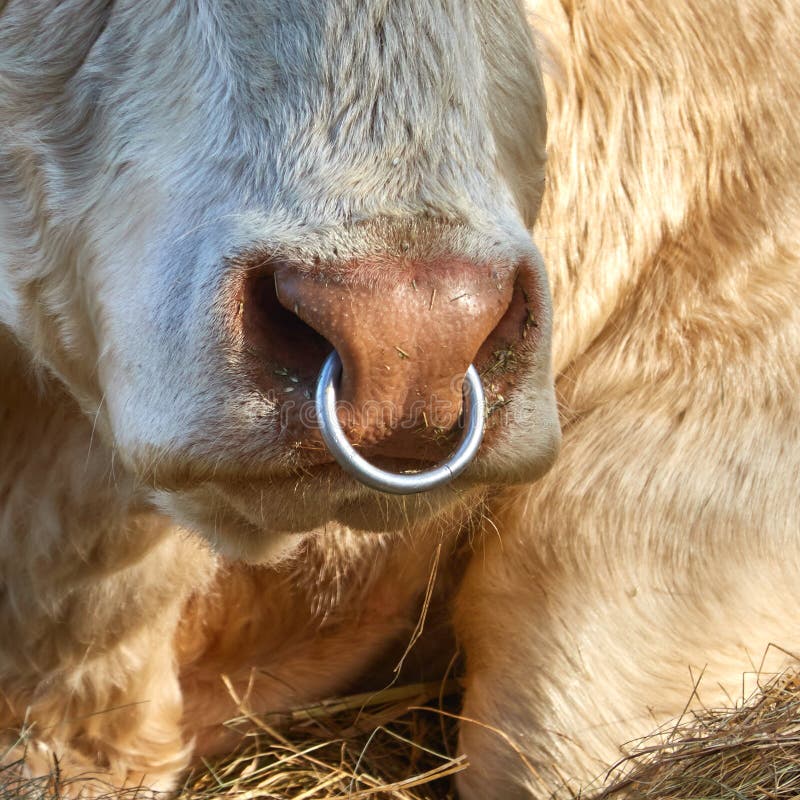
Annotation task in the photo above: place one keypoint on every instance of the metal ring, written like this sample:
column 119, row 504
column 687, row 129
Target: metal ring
column 392, row 482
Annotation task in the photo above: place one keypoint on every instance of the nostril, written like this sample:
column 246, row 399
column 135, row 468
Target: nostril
column 277, row 334
column 517, row 331
column 515, row 326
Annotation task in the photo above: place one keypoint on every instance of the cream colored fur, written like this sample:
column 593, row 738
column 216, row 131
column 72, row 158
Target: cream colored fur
column 663, row 543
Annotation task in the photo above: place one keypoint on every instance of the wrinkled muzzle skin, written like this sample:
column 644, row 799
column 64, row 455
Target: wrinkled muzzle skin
column 152, row 160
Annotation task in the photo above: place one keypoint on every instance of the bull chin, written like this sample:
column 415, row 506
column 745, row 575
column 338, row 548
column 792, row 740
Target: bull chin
column 258, row 527
column 387, row 513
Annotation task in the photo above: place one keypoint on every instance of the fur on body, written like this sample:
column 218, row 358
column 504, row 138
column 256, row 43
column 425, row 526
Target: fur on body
column 662, row 544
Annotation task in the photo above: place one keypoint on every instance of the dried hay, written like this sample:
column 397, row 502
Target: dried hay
column 752, row 751
column 397, row 743
column 400, row 743
column 379, row 745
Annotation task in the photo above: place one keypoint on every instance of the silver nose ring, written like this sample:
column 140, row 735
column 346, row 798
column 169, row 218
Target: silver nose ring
column 393, row 482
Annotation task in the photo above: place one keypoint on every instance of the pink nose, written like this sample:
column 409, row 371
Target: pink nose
column 405, row 334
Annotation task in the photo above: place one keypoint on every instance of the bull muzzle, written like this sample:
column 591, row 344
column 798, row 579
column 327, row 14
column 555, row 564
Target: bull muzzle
column 393, row 353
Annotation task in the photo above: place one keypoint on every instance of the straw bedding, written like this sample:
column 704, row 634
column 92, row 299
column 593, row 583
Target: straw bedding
column 401, row 743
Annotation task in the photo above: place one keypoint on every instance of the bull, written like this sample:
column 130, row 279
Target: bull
column 201, row 202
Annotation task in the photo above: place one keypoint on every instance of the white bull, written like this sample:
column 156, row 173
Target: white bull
column 199, row 199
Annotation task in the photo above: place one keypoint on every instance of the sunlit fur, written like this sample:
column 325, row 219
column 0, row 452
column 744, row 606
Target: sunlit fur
column 664, row 542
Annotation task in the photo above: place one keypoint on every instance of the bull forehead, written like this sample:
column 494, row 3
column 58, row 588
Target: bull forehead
column 323, row 107
column 400, row 93
column 359, row 103
column 345, row 107
column 405, row 77
column 344, row 102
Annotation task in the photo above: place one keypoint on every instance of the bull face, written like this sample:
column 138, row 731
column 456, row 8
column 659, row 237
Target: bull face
column 201, row 200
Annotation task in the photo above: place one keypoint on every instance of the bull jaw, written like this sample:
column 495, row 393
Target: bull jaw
column 264, row 527
column 229, row 533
